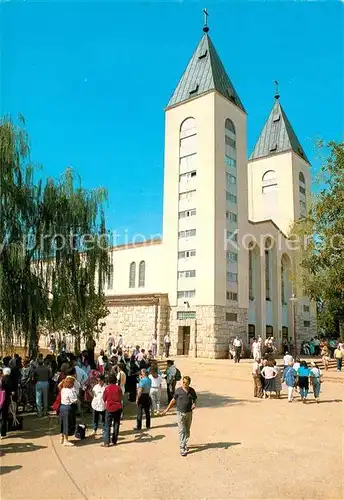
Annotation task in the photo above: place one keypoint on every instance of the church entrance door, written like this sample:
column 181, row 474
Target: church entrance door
column 186, row 340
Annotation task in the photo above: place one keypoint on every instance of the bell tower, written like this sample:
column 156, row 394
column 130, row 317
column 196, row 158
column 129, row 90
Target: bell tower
column 205, row 202
column 278, row 173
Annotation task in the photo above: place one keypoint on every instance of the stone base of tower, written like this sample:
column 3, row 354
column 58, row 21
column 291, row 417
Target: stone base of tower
column 204, row 332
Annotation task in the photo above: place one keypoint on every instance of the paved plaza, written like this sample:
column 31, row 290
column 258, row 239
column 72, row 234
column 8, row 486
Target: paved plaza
column 240, row 447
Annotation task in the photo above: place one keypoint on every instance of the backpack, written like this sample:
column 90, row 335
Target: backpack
column 178, row 375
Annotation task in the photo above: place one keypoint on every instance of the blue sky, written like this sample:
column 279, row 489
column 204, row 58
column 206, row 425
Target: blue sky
column 92, row 80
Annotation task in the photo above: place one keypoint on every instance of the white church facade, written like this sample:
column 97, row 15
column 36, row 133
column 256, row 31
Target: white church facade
column 223, row 265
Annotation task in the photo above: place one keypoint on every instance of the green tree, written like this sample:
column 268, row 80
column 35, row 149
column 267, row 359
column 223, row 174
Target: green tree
column 53, row 248
column 322, row 236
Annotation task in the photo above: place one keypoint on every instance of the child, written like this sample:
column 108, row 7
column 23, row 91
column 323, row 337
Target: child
column 98, row 405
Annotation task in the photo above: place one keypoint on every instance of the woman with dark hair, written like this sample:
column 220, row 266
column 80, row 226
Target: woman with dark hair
column 269, row 373
column 303, row 374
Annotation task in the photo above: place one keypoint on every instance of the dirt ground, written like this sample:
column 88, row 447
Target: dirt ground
column 240, row 447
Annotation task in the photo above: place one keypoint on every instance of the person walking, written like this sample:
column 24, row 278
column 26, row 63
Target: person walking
column 289, row 377
column 42, row 375
column 154, row 346
column 184, row 399
column 98, row 405
column 315, row 374
column 173, row 375
column 257, row 381
column 237, row 344
column 303, row 379
column 339, row 354
column 155, row 391
column 167, row 345
column 143, row 400
column 112, row 398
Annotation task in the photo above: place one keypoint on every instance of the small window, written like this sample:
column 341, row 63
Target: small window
column 230, row 162
column 232, row 257
column 194, row 90
column 187, row 274
column 273, row 147
column 302, row 190
column 231, row 317
column 269, row 330
column 232, row 217
column 276, row 118
column 302, row 178
column 306, row 309
column 186, row 314
column 232, row 235
column 203, row 54
column 232, row 296
column 307, row 324
column 233, row 277
column 231, row 197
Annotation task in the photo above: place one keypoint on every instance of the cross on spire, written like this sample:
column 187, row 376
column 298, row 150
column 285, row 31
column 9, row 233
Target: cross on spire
column 205, row 25
column 277, row 94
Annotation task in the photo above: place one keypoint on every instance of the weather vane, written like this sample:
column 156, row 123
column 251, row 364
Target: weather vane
column 277, row 95
column 205, row 26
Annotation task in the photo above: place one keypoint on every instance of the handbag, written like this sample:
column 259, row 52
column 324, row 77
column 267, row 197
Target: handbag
column 80, row 432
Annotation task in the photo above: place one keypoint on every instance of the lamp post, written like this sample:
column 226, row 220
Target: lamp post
column 293, row 301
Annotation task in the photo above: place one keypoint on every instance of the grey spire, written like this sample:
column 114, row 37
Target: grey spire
column 204, row 72
column 277, row 136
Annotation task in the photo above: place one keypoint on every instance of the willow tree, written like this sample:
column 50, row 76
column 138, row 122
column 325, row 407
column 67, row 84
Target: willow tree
column 53, row 249
column 322, row 237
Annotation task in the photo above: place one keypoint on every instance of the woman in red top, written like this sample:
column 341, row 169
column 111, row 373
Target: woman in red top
column 113, row 403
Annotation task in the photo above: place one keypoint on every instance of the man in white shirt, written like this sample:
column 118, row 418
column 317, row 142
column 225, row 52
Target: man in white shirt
column 167, row 344
column 288, row 358
column 237, row 344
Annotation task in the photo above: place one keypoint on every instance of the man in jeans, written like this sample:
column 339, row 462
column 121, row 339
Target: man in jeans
column 42, row 375
column 185, row 400
column 143, row 400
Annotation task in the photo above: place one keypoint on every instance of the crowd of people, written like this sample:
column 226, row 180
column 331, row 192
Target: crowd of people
column 68, row 385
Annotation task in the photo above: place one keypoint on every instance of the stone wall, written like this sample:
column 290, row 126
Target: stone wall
column 210, row 333
column 304, row 332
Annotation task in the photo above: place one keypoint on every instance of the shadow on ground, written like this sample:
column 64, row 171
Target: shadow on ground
column 210, row 446
column 5, row 469
column 211, row 400
column 19, row 448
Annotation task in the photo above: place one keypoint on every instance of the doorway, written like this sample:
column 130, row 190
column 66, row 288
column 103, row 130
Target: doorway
column 183, row 340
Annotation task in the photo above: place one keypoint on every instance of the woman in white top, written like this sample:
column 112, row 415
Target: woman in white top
column 269, row 373
column 69, row 398
column 155, row 390
column 98, row 405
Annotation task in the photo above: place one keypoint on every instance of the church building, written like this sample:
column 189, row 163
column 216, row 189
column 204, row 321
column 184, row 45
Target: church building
column 224, row 264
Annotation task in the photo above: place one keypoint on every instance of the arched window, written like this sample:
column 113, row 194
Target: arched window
column 269, row 182
column 229, row 126
column 132, row 275
column 188, row 138
column 302, row 178
column 142, row 273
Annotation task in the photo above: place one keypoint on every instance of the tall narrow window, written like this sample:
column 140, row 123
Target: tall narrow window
column 302, row 194
column 110, row 278
column 132, row 275
column 267, row 275
column 142, row 273
column 282, row 283
column 250, row 274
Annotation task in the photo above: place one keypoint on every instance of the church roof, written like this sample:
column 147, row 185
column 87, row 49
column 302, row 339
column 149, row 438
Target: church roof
column 277, row 136
column 204, row 72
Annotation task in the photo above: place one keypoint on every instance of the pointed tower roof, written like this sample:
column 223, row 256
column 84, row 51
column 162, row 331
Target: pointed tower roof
column 204, row 72
column 277, row 136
